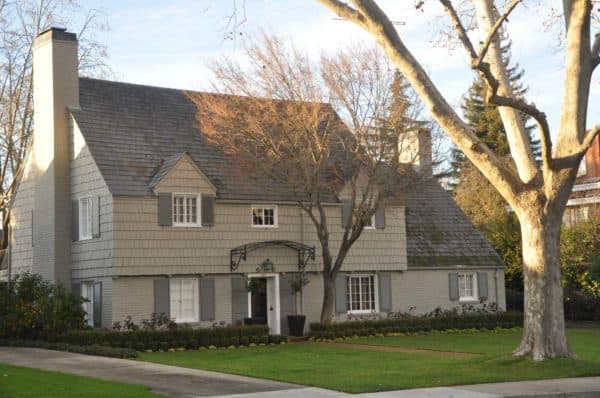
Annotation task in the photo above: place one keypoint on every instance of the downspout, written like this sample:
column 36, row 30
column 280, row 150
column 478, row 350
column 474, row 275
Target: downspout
column 9, row 256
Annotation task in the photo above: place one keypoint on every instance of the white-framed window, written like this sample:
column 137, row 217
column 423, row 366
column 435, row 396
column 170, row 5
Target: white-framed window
column 362, row 297
column 87, row 292
column 264, row 216
column 370, row 224
column 85, row 218
column 184, row 299
column 186, row 210
column 467, row 287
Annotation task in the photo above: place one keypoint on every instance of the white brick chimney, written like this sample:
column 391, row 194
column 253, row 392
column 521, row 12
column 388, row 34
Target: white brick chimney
column 55, row 88
column 415, row 148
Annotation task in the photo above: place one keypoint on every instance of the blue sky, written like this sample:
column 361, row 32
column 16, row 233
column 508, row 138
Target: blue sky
column 168, row 43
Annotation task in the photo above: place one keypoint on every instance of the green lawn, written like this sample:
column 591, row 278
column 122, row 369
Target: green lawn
column 19, row 382
column 353, row 370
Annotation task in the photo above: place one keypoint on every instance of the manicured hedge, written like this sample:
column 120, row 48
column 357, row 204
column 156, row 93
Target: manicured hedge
column 88, row 349
column 188, row 338
column 415, row 324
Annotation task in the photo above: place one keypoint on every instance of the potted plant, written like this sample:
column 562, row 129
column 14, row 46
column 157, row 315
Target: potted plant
column 296, row 322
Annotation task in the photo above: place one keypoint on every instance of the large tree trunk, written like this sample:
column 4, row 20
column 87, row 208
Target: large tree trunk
column 544, row 322
column 328, row 297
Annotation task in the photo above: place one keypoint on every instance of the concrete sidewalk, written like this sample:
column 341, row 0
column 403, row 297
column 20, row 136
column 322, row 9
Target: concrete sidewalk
column 173, row 381
column 182, row 382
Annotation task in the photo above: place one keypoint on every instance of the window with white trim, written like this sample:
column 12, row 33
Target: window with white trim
column 184, row 299
column 264, row 216
column 361, row 293
column 467, row 287
column 186, row 210
column 87, row 292
column 85, row 218
column 370, row 223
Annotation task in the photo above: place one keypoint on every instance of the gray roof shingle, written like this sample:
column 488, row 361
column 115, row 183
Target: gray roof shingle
column 440, row 234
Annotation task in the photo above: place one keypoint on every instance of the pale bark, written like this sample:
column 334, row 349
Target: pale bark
column 537, row 196
column 544, row 324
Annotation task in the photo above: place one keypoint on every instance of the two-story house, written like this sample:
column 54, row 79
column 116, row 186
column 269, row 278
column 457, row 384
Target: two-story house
column 125, row 201
column 584, row 201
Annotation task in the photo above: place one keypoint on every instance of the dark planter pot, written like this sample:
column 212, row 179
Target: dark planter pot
column 257, row 320
column 296, row 324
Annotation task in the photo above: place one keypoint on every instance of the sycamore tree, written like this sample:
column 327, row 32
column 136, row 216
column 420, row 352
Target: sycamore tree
column 537, row 192
column 276, row 116
column 20, row 22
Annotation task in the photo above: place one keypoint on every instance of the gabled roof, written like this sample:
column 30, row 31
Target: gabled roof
column 170, row 163
column 439, row 234
column 136, row 134
column 131, row 130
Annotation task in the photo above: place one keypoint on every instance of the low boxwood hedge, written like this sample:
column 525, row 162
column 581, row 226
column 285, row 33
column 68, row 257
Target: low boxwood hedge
column 415, row 324
column 163, row 340
column 87, row 349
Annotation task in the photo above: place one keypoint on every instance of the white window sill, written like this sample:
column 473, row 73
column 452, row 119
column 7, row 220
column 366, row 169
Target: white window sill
column 469, row 300
column 187, row 225
column 369, row 228
column 265, row 226
column 362, row 312
column 82, row 239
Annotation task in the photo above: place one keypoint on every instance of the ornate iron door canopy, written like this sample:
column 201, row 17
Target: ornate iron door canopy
column 305, row 252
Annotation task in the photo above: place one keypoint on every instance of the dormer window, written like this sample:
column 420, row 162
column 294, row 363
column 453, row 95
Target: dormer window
column 264, row 216
column 185, row 210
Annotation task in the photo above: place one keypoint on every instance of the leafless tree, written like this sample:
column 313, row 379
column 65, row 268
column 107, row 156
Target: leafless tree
column 275, row 113
column 20, row 22
column 538, row 194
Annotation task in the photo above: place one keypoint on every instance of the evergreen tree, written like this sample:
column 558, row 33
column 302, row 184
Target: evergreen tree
column 486, row 121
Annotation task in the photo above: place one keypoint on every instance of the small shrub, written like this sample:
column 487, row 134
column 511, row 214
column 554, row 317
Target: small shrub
column 244, row 340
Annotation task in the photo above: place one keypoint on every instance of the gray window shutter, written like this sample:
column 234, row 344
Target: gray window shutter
column 286, row 301
column 96, row 217
column 453, row 286
column 385, row 292
column 207, row 299
column 482, row 285
column 207, row 214
column 346, row 212
column 98, row 304
column 165, row 209
column 76, row 289
column 380, row 217
column 341, row 293
column 75, row 220
column 239, row 299
column 162, row 302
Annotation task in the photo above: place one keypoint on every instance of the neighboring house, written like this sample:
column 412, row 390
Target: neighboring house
column 124, row 200
column 584, row 201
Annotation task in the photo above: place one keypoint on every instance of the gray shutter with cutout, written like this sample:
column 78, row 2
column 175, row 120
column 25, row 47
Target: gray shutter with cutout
column 380, row 217
column 453, row 286
column 162, row 300
column 385, row 292
column 346, row 212
column 76, row 289
column 97, row 304
column 165, row 209
column 239, row 299
column 341, row 293
column 32, row 240
column 96, row 217
column 207, row 203
column 482, row 285
column 286, row 301
column 75, row 220
column 207, row 299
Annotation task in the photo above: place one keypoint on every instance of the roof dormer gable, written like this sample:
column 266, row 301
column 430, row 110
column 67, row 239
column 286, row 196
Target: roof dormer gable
column 179, row 173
